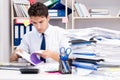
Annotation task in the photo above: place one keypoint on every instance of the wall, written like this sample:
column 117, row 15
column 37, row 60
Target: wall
column 4, row 30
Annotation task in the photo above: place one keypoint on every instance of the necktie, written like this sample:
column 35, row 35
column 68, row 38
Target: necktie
column 43, row 46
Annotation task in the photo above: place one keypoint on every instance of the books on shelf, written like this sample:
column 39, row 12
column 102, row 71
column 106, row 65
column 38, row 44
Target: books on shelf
column 81, row 10
column 78, row 9
column 103, row 11
column 99, row 13
column 21, row 8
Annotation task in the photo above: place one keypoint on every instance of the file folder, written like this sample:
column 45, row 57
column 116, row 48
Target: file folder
column 93, row 67
column 16, row 35
column 78, row 41
column 19, row 31
column 57, row 13
column 87, row 60
column 85, row 54
column 61, row 6
column 28, row 28
column 50, row 3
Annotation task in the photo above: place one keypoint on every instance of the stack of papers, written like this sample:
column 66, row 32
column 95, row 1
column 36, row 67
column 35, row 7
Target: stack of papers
column 109, row 49
column 107, row 44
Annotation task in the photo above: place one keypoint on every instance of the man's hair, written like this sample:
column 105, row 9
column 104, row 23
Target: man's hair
column 38, row 9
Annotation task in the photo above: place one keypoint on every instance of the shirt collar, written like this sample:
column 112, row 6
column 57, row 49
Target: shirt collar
column 47, row 32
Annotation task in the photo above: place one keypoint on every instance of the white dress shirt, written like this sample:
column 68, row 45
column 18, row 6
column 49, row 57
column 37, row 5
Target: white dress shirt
column 55, row 39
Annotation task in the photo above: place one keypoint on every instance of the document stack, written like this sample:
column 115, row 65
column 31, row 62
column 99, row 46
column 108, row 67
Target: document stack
column 82, row 50
column 84, row 54
column 94, row 43
column 108, row 44
column 80, row 41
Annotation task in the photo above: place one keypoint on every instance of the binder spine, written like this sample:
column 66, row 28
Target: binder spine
column 19, row 31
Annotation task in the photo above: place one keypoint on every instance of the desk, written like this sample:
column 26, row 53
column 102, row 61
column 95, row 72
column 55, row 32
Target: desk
column 100, row 74
column 16, row 75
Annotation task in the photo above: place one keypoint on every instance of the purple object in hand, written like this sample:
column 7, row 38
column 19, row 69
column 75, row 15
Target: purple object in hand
column 35, row 59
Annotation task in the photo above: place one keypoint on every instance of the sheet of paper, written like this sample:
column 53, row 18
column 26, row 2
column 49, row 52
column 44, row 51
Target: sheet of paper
column 26, row 56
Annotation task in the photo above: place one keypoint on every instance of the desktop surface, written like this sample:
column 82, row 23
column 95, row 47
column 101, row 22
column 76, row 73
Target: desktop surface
column 16, row 75
column 101, row 74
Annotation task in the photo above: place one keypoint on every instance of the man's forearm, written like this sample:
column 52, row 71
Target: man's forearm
column 55, row 56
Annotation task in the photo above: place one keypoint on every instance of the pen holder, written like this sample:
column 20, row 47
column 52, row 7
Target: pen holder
column 65, row 66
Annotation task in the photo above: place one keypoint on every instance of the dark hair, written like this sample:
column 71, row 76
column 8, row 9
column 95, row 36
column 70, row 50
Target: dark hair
column 38, row 9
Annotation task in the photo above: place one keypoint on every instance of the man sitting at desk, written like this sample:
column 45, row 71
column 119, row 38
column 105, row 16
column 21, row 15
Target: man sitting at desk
column 54, row 36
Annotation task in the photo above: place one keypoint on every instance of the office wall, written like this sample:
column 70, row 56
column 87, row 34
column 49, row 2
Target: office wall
column 4, row 30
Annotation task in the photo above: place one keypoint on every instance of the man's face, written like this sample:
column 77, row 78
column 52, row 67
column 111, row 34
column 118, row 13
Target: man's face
column 40, row 23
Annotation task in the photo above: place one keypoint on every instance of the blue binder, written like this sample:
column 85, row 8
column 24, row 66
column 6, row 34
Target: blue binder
column 61, row 13
column 17, row 33
column 57, row 13
column 61, row 6
column 90, row 67
column 30, row 28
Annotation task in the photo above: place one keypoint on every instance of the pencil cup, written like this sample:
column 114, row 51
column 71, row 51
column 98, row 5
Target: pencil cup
column 65, row 66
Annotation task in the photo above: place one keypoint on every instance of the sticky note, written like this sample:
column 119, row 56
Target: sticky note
column 26, row 22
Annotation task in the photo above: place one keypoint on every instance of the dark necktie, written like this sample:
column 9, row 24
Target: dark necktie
column 43, row 46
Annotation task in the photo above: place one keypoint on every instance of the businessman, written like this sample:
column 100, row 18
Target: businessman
column 54, row 36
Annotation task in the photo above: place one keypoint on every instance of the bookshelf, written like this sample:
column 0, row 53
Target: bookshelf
column 20, row 23
column 106, row 15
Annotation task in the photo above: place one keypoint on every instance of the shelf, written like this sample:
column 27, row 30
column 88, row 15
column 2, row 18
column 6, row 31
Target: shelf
column 57, row 17
column 20, row 17
column 28, row 17
column 106, row 15
column 96, row 18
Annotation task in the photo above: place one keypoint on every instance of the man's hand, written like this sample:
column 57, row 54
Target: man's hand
column 49, row 54
column 14, row 56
